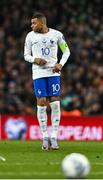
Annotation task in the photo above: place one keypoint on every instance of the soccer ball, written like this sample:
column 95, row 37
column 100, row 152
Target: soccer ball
column 75, row 165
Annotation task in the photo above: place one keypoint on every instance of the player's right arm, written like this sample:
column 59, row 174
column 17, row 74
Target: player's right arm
column 28, row 51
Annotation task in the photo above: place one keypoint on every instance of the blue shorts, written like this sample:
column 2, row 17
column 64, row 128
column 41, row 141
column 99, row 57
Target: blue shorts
column 47, row 86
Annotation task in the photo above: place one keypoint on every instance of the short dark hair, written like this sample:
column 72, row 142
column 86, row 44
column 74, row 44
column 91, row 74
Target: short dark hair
column 40, row 16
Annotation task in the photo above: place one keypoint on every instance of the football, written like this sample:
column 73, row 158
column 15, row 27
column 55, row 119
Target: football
column 75, row 165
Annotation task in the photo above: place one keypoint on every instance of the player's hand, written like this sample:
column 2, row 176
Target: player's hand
column 40, row 61
column 57, row 68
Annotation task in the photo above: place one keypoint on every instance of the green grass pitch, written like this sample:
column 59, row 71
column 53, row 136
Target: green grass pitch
column 26, row 160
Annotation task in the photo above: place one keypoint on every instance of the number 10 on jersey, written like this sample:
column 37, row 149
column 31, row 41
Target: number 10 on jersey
column 45, row 51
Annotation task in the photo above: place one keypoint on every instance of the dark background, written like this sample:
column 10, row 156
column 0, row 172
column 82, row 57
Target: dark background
column 81, row 22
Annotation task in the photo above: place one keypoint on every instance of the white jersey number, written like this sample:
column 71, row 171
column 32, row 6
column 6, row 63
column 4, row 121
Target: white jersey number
column 55, row 87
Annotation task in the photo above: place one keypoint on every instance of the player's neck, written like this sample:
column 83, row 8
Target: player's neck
column 45, row 30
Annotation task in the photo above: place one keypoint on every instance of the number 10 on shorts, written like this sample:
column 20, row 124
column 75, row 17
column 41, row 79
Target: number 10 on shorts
column 55, row 88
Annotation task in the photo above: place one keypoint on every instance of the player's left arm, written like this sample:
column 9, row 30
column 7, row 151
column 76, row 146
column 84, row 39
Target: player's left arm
column 66, row 53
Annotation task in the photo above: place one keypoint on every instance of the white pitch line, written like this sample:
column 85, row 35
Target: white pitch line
column 97, row 173
column 28, row 173
column 99, row 163
column 40, row 173
column 38, row 163
column 2, row 158
column 32, row 163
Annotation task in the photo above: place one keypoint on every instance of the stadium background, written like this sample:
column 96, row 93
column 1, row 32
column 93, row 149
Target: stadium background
column 81, row 22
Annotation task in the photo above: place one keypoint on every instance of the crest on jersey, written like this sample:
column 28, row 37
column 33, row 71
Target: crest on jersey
column 51, row 41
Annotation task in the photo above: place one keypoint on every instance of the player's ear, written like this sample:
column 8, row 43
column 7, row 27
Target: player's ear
column 40, row 21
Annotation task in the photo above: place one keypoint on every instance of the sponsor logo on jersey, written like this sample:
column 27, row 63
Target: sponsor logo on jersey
column 34, row 43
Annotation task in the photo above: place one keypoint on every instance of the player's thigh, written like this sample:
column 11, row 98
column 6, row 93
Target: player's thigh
column 54, row 86
column 40, row 88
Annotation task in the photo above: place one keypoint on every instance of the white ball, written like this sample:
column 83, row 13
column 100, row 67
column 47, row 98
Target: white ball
column 75, row 165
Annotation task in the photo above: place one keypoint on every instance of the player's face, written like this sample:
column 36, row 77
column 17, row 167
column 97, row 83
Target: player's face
column 36, row 25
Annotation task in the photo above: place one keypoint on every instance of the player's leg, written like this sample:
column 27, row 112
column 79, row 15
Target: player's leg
column 54, row 93
column 42, row 118
column 55, row 117
column 41, row 95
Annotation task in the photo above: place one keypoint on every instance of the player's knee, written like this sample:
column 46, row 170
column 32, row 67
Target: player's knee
column 42, row 101
column 54, row 98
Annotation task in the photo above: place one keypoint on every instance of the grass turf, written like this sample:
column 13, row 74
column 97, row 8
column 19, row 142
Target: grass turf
column 26, row 160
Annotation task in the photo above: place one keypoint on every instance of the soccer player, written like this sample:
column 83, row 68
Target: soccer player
column 41, row 47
